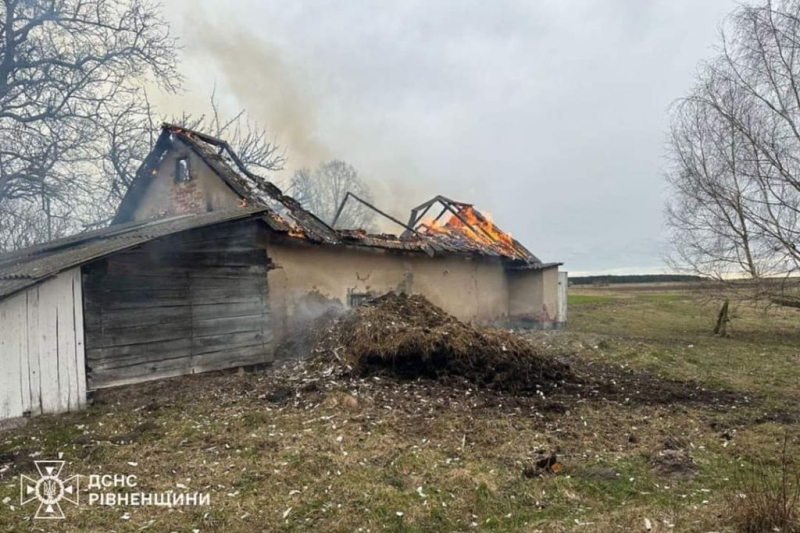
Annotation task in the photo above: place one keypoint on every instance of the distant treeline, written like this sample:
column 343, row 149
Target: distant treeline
column 647, row 278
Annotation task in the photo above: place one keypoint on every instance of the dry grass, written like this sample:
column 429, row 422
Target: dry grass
column 767, row 497
column 661, row 428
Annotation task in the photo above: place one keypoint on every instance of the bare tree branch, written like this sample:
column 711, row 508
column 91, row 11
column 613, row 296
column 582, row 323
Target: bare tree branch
column 323, row 190
column 71, row 72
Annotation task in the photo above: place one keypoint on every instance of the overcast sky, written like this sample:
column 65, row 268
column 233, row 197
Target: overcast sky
column 548, row 114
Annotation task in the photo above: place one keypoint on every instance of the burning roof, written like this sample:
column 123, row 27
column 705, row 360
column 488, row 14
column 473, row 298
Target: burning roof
column 467, row 228
column 464, row 231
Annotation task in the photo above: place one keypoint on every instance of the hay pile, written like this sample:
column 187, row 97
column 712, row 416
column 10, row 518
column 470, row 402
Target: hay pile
column 408, row 337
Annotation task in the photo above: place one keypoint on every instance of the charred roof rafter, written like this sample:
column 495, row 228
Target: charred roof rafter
column 370, row 206
column 448, row 205
column 479, row 229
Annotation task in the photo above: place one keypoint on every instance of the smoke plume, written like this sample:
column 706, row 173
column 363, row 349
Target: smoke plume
column 274, row 95
column 264, row 86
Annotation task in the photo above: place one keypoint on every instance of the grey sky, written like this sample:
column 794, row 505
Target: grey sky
column 550, row 115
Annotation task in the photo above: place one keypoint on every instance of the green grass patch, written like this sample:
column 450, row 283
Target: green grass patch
column 583, row 299
column 662, row 297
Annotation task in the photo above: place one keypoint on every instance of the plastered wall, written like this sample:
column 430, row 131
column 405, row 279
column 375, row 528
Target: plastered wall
column 306, row 278
column 533, row 294
column 550, row 294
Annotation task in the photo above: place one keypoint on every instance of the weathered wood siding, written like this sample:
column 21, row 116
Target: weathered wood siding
column 186, row 304
column 42, row 349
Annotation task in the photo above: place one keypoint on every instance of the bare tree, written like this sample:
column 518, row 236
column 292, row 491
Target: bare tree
column 75, row 120
column 248, row 139
column 323, row 190
column 735, row 147
column 68, row 70
column 707, row 214
column 23, row 225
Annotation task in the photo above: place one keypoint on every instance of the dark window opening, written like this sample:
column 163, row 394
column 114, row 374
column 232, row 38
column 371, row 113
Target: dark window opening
column 182, row 174
column 354, row 299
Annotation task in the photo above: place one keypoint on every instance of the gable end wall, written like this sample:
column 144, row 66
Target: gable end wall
column 204, row 192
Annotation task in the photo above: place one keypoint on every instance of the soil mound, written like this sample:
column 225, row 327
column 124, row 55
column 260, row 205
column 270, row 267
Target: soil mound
column 409, row 337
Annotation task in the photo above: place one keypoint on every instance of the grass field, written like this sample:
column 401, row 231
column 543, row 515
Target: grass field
column 664, row 427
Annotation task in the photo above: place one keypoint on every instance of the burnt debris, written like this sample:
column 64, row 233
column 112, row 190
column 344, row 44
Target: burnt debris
column 408, row 337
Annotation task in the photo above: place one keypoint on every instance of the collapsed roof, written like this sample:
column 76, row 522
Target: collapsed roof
column 466, row 232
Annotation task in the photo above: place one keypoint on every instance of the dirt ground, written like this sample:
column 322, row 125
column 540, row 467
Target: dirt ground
column 654, row 427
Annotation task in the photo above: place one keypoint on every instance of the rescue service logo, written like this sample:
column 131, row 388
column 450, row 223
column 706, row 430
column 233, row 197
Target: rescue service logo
column 49, row 490
column 52, row 489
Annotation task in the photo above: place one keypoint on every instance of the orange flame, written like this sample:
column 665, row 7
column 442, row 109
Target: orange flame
column 479, row 229
column 297, row 232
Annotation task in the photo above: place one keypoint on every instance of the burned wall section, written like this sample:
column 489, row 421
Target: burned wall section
column 201, row 190
column 304, row 274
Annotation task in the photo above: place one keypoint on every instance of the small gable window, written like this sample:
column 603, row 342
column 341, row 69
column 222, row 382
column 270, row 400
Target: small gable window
column 182, row 174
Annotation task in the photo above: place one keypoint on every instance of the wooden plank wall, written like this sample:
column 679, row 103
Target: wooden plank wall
column 186, row 304
column 42, row 349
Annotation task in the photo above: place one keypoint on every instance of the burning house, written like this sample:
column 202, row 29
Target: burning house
column 207, row 266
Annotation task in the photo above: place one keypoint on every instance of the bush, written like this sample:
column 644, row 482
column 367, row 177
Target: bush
column 767, row 499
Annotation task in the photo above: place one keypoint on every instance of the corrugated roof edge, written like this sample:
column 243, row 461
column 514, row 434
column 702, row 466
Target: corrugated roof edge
column 26, row 268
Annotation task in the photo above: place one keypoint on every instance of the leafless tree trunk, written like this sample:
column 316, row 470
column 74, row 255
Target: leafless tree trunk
column 735, row 147
column 721, row 327
column 75, row 120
